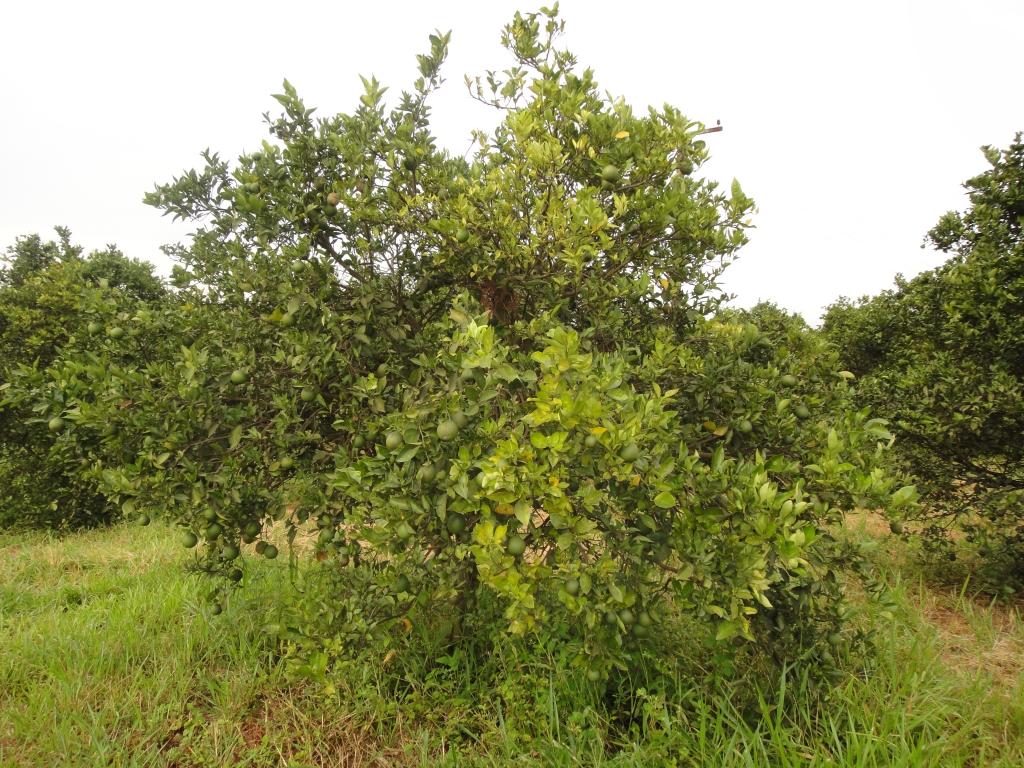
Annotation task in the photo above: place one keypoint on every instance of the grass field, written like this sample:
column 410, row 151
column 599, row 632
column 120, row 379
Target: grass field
column 108, row 658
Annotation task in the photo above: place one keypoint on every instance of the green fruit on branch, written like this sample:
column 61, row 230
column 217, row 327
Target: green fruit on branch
column 516, row 545
column 630, row 452
column 447, row 430
column 455, row 523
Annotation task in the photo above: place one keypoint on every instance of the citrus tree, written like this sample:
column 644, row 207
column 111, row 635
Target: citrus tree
column 41, row 286
column 491, row 378
column 942, row 356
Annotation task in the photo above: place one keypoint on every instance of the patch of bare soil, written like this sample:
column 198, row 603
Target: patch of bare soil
column 977, row 637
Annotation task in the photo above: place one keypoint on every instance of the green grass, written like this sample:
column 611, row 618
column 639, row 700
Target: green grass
column 107, row 658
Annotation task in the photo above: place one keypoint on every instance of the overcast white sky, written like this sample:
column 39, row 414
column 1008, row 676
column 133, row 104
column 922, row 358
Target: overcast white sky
column 851, row 124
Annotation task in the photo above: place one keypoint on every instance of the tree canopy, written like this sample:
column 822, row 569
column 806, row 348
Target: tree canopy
column 500, row 380
column 943, row 357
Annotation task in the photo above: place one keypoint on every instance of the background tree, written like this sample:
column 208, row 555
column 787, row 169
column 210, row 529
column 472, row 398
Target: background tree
column 41, row 292
column 942, row 356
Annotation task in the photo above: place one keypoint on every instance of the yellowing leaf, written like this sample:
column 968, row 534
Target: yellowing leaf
column 622, row 135
column 727, row 630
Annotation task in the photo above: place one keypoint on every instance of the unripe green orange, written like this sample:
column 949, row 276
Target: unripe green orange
column 630, row 452
column 447, row 430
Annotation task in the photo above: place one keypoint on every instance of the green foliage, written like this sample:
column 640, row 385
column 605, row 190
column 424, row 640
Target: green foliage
column 41, row 294
column 942, row 357
column 481, row 384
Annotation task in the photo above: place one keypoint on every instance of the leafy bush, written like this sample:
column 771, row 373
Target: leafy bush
column 488, row 382
column 942, row 357
column 40, row 311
